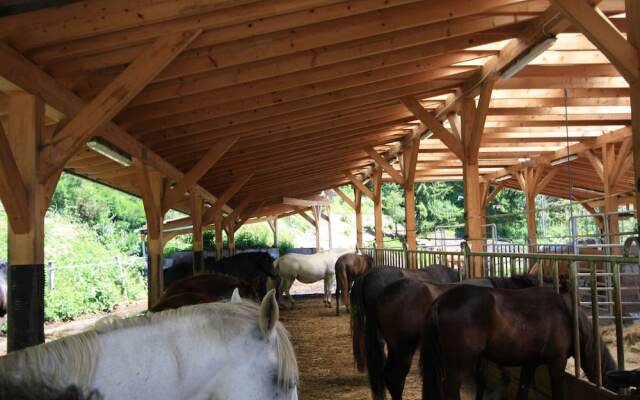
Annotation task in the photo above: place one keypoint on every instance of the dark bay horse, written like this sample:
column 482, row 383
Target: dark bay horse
column 348, row 268
column 254, row 268
column 526, row 328
column 203, row 288
column 400, row 313
column 368, row 287
column 12, row 390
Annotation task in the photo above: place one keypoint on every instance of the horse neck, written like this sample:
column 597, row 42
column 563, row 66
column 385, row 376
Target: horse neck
column 179, row 350
column 41, row 364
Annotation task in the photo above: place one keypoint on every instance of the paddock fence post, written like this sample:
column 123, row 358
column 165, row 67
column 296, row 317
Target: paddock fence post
column 52, row 276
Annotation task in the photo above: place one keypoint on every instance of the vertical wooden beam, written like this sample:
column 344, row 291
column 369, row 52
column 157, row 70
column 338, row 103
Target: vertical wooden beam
column 217, row 222
column 316, row 217
column 633, row 35
column 197, row 205
column 329, row 227
column 152, row 189
column 273, row 224
column 25, row 309
column 231, row 239
column 376, row 179
column 410, row 158
column 471, row 183
column 358, row 209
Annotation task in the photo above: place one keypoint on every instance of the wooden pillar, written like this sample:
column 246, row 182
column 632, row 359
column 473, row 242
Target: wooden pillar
column 217, row 221
column 273, row 224
column 376, row 179
column 329, row 227
column 532, row 181
column 197, row 205
column 231, row 240
column 25, row 314
column 409, row 162
column 532, row 224
column 152, row 189
column 609, row 182
column 633, row 35
column 471, row 183
column 316, row 218
column 358, row 211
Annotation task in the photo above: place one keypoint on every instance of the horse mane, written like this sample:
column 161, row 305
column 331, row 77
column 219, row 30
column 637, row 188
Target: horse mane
column 79, row 352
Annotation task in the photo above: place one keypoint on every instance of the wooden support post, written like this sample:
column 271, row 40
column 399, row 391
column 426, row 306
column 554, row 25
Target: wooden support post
column 410, row 159
column 633, row 35
column 471, row 183
column 217, row 222
column 152, row 189
column 25, row 309
column 273, row 224
column 316, row 217
column 376, row 179
column 231, row 239
column 532, row 181
column 329, row 227
column 358, row 210
column 197, row 204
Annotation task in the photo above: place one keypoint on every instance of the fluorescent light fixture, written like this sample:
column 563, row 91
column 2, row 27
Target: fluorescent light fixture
column 563, row 160
column 504, row 178
column 207, row 204
column 529, row 56
column 110, row 153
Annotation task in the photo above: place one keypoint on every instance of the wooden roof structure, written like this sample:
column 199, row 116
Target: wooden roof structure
column 251, row 101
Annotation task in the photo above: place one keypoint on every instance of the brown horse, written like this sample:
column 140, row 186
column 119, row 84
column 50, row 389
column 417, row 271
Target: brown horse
column 525, row 328
column 348, row 268
column 203, row 288
column 400, row 313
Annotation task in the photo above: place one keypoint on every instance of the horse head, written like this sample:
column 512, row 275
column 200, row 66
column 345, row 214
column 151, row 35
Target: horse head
column 266, row 265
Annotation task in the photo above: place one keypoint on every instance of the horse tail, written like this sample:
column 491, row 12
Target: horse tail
column 431, row 358
column 358, row 324
column 376, row 359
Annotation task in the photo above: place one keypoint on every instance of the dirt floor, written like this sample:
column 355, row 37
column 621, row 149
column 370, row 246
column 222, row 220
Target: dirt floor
column 323, row 348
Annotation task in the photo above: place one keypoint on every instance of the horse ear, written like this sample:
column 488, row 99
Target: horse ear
column 235, row 296
column 269, row 313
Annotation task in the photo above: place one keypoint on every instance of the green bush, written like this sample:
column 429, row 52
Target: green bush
column 255, row 236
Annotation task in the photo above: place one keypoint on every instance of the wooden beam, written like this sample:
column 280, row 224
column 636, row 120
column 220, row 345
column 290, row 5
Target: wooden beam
column 13, row 191
column 225, row 197
column 376, row 179
column 596, row 163
column 344, row 197
column 25, row 75
column 473, row 146
column 358, row 183
column 384, row 164
column 148, row 182
column 599, row 29
column 304, row 202
column 431, row 122
column 303, row 214
column 112, row 100
column 211, row 157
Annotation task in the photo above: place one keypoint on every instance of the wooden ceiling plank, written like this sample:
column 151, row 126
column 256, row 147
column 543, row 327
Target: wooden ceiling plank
column 598, row 28
column 111, row 100
column 211, row 157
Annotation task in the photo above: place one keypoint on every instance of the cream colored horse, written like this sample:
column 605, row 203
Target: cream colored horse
column 308, row 268
column 232, row 350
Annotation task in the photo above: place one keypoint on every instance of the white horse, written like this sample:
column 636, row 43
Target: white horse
column 231, row 350
column 308, row 268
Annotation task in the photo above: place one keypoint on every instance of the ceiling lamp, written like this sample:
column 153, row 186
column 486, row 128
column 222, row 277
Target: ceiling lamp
column 563, row 160
column 504, row 178
column 529, row 56
column 110, row 153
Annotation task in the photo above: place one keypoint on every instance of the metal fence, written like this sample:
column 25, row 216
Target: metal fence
column 607, row 287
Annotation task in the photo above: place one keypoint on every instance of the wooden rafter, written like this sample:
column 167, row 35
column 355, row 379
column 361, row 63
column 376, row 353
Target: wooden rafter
column 112, row 100
column 358, row 183
column 303, row 213
column 231, row 191
column 432, row 123
column 385, row 165
column 192, row 177
column 599, row 29
column 344, row 197
column 479, row 121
